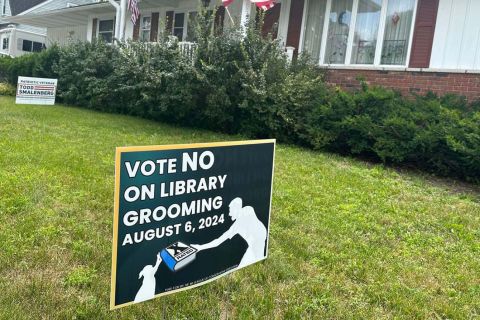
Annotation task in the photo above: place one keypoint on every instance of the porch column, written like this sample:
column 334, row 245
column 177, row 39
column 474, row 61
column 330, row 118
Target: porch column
column 123, row 15
column 246, row 10
column 117, row 27
column 12, row 42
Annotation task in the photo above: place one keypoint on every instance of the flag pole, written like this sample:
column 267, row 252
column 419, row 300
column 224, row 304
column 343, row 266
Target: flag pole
column 230, row 16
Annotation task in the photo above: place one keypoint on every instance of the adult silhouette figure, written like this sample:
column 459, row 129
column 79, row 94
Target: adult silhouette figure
column 147, row 290
column 248, row 226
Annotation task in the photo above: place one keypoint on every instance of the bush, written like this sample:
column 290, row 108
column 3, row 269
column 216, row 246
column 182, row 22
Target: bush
column 242, row 84
column 6, row 89
column 84, row 71
column 30, row 65
column 5, row 62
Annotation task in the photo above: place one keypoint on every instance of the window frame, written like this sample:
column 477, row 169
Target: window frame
column 186, row 19
column 32, row 44
column 37, row 46
column 24, row 45
column 142, row 27
column 348, row 54
column 5, row 40
column 183, row 27
column 102, row 32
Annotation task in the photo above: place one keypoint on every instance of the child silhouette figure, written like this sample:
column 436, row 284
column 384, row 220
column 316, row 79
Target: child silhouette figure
column 147, row 290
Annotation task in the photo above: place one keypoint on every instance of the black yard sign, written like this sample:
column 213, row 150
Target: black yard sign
column 188, row 214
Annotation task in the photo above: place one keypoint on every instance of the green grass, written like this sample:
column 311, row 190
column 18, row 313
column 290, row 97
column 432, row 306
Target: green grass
column 349, row 239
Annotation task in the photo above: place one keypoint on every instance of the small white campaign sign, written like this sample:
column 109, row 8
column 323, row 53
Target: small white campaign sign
column 36, row 91
column 188, row 214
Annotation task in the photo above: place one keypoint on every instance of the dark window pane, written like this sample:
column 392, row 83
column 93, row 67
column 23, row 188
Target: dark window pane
column 107, row 37
column 178, row 32
column 366, row 30
column 37, row 46
column 27, row 45
column 179, row 20
column 397, row 31
column 145, row 35
column 338, row 30
column 192, row 17
column 105, row 25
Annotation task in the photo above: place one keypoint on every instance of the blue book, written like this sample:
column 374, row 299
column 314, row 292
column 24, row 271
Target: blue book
column 178, row 255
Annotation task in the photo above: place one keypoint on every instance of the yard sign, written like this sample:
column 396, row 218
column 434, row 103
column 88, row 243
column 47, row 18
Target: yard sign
column 36, row 91
column 188, row 214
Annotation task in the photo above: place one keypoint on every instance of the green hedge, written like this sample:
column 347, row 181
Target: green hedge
column 243, row 84
column 33, row 64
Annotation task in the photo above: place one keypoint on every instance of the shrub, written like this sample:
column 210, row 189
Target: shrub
column 84, row 71
column 155, row 81
column 242, row 83
column 5, row 62
column 6, row 89
column 45, row 62
column 21, row 66
column 30, row 65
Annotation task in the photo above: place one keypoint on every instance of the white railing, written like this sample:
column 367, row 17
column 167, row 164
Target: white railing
column 188, row 49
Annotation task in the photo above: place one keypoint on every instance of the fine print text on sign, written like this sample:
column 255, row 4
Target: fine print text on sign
column 36, row 91
column 188, row 214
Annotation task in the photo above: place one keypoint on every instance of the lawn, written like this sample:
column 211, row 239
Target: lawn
column 348, row 239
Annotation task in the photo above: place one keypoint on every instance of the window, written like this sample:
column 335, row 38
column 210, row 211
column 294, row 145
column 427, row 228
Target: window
column 5, row 43
column 37, row 46
column 366, row 31
column 359, row 32
column 192, row 18
column 338, row 30
column 31, row 46
column 178, row 25
column 27, row 45
column 184, row 25
column 146, row 27
column 105, row 30
column 315, row 19
column 397, row 31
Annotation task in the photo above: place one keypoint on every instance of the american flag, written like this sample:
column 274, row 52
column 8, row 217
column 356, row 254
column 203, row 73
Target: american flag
column 133, row 8
column 262, row 4
column 226, row 3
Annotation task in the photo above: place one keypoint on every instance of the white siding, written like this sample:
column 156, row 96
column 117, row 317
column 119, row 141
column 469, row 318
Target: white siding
column 456, row 44
column 8, row 11
column 58, row 4
column 31, row 29
column 64, row 35
column 16, row 44
column 21, row 27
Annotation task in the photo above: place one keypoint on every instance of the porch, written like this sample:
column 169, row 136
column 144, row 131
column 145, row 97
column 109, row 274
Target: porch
column 110, row 20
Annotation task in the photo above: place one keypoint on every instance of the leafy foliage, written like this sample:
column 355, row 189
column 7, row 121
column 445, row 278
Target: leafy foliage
column 240, row 82
column 6, row 89
column 34, row 65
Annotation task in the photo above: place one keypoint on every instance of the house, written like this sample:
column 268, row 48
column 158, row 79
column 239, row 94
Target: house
column 93, row 19
column 18, row 39
column 410, row 45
